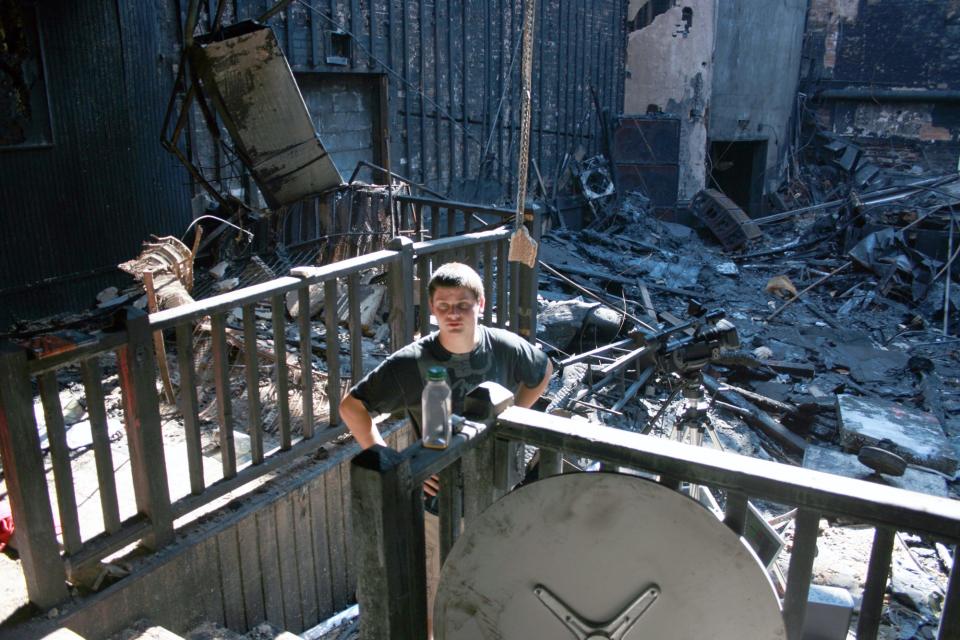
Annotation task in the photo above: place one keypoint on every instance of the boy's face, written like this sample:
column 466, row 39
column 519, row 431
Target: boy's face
column 457, row 310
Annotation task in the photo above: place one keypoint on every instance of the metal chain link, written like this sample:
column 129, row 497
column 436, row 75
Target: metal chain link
column 525, row 115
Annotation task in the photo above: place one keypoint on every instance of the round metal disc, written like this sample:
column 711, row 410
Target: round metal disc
column 597, row 541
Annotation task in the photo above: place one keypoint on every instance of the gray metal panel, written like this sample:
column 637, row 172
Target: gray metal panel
column 255, row 93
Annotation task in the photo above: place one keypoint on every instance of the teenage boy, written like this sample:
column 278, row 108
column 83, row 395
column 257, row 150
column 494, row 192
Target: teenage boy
column 470, row 353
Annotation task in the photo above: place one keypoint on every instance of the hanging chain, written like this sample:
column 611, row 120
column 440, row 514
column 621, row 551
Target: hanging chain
column 525, row 115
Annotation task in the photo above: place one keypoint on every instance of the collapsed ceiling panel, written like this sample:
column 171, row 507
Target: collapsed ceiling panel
column 247, row 76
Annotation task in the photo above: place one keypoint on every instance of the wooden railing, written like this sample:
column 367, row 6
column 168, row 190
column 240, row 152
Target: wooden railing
column 388, row 508
column 46, row 568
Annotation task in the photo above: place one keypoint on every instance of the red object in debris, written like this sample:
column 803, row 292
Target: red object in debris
column 6, row 525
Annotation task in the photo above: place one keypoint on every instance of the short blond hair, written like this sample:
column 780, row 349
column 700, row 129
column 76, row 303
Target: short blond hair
column 456, row 275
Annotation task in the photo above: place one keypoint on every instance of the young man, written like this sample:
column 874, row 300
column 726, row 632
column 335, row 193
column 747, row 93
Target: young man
column 470, row 353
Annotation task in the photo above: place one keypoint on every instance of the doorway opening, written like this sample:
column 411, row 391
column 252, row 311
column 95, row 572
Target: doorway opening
column 737, row 168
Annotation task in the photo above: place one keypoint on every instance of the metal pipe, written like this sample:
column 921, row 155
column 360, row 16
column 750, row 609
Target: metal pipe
column 867, row 94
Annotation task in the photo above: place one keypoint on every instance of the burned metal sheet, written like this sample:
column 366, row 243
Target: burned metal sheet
column 646, row 157
column 725, row 219
column 249, row 81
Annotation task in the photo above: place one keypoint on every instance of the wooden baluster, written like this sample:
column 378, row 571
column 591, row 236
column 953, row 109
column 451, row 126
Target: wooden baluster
column 333, row 349
column 451, row 222
column 516, row 295
column 479, row 466
column 306, row 359
column 801, row 569
column 735, row 513
column 138, row 380
column 423, row 269
column 281, row 380
column 551, row 462
column 488, row 283
column 189, row 407
column 251, row 363
column 93, row 389
column 401, row 294
column 434, row 222
column 503, row 280
column 388, row 545
column 221, row 382
column 950, row 614
column 60, row 458
column 26, row 482
column 451, row 508
column 356, row 330
column 871, row 607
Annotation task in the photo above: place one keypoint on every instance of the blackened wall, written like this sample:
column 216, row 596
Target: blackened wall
column 71, row 209
column 453, row 71
column 859, row 55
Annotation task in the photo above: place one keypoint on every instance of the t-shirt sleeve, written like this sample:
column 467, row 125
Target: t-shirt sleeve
column 530, row 363
column 381, row 390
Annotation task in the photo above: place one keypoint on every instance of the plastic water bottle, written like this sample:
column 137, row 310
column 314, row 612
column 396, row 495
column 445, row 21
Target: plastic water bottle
column 436, row 409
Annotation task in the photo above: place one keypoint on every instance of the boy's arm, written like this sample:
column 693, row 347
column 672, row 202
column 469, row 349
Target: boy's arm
column 358, row 420
column 527, row 396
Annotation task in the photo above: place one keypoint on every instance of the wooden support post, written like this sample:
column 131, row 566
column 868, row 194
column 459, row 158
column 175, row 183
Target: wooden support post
column 401, row 294
column 868, row 624
column 388, row 546
column 800, row 571
column 138, row 381
column 26, row 482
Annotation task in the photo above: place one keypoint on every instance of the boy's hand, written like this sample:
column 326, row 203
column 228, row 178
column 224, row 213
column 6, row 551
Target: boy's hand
column 431, row 486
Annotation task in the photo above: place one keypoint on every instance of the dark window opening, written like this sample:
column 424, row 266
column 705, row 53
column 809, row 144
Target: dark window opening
column 652, row 108
column 24, row 107
column 341, row 46
column 648, row 12
column 687, row 17
column 737, row 168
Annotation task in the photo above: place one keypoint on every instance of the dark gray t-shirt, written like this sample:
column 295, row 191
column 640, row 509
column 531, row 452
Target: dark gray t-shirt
column 500, row 356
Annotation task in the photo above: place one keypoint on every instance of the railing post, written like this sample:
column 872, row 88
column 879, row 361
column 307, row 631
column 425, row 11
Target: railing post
column 141, row 408
column 871, row 607
column 529, row 281
column 401, row 293
column 26, row 482
column 801, row 569
column 388, row 544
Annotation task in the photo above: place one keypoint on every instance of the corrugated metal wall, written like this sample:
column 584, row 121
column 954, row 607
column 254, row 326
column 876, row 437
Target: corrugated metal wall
column 73, row 210
column 454, row 78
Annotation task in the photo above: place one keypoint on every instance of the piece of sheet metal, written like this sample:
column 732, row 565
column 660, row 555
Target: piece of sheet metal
column 248, row 79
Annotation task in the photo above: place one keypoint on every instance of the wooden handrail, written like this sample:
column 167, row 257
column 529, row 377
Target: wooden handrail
column 814, row 493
